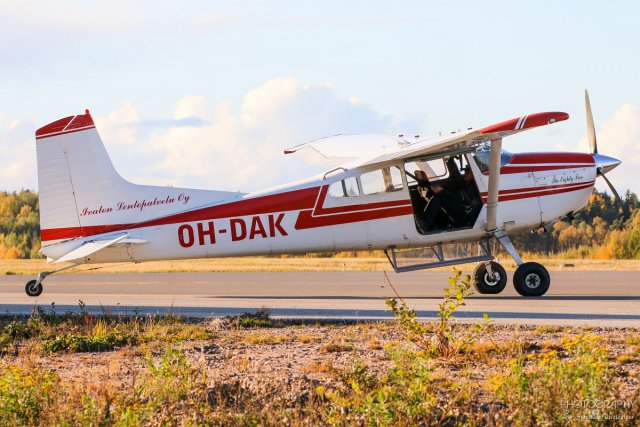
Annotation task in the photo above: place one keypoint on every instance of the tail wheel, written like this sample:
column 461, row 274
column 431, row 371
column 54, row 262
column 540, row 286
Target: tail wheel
column 33, row 288
column 531, row 279
column 485, row 283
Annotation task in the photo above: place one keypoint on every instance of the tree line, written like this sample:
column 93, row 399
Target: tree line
column 604, row 229
column 19, row 225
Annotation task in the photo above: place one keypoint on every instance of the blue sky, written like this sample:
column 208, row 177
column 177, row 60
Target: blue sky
column 207, row 94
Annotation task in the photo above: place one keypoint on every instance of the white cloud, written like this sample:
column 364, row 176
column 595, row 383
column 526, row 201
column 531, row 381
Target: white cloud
column 191, row 106
column 121, row 125
column 214, row 148
column 18, row 159
column 619, row 137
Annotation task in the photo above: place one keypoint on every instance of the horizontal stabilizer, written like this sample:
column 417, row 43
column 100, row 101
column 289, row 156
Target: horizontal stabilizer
column 94, row 246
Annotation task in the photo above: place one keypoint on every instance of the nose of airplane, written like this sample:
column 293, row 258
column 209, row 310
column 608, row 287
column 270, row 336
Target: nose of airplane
column 605, row 163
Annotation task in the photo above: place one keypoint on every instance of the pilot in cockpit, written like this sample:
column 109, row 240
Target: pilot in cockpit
column 459, row 207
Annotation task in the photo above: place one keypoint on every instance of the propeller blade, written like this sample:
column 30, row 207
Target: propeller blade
column 591, row 129
column 613, row 190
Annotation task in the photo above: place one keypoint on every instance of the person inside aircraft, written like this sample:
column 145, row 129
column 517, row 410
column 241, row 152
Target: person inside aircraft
column 445, row 208
column 470, row 198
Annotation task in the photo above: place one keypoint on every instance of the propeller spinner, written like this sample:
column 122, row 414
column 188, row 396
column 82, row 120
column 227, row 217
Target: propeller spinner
column 603, row 163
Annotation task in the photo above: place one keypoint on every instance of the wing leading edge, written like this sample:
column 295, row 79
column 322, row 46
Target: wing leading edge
column 367, row 150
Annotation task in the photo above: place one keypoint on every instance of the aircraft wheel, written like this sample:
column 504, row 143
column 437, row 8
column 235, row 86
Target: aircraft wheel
column 531, row 280
column 484, row 284
column 32, row 289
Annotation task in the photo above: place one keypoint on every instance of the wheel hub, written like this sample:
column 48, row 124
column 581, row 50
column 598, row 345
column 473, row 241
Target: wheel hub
column 532, row 280
column 489, row 281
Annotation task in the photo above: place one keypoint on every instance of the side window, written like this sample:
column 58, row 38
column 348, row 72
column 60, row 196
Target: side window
column 394, row 178
column 373, row 182
column 345, row 188
column 435, row 169
column 351, row 186
column 337, row 189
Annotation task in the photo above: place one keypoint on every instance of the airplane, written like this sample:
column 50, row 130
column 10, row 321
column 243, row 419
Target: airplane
column 378, row 192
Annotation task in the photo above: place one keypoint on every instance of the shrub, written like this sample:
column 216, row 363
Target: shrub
column 83, row 343
column 440, row 341
column 544, row 388
column 25, row 395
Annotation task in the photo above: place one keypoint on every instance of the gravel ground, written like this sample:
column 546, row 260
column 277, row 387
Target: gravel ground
column 289, row 361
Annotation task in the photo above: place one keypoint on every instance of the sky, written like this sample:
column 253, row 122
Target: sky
column 207, row 94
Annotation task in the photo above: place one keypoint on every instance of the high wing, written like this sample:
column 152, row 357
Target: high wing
column 367, row 150
column 342, row 149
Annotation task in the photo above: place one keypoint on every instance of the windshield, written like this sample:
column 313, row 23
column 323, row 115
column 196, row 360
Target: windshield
column 482, row 157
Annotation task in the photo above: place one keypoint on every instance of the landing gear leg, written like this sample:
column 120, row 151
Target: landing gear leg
column 34, row 287
column 530, row 279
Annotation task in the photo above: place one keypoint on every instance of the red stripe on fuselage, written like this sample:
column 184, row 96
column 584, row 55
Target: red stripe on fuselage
column 289, row 201
column 320, row 210
column 306, row 219
column 72, row 232
column 541, row 158
column 533, row 189
column 309, row 201
column 322, row 217
column 534, row 192
column 509, row 169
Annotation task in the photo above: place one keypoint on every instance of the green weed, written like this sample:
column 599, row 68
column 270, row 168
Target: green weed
column 438, row 340
column 25, row 395
column 404, row 396
column 83, row 343
column 542, row 388
column 259, row 319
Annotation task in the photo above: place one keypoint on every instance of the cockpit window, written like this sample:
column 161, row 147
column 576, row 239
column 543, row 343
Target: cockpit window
column 482, row 155
column 345, row 188
column 380, row 181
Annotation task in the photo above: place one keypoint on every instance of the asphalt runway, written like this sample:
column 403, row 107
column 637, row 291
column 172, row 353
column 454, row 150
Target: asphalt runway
column 587, row 298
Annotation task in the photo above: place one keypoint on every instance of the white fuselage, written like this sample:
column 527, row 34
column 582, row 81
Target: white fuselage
column 535, row 188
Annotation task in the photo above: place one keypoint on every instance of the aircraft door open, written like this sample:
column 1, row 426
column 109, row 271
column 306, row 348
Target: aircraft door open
column 444, row 194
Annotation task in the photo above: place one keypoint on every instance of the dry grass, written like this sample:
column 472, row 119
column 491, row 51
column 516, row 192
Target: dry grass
column 268, row 338
column 627, row 358
column 319, row 367
column 337, row 346
column 308, row 338
column 298, row 263
column 220, row 374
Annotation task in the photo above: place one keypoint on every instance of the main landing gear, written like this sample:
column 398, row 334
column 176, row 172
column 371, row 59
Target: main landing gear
column 34, row 287
column 530, row 279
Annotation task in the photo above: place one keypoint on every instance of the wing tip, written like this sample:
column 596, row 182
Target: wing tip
column 527, row 122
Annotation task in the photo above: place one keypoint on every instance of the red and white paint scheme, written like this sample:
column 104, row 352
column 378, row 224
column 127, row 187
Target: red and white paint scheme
column 369, row 198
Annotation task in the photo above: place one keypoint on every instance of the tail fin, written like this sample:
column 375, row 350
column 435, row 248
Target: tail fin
column 71, row 160
column 81, row 193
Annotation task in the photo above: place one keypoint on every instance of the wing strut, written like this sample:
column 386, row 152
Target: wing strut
column 494, row 181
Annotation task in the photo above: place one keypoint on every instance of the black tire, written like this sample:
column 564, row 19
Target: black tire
column 531, row 280
column 32, row 290
column 484, row 284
